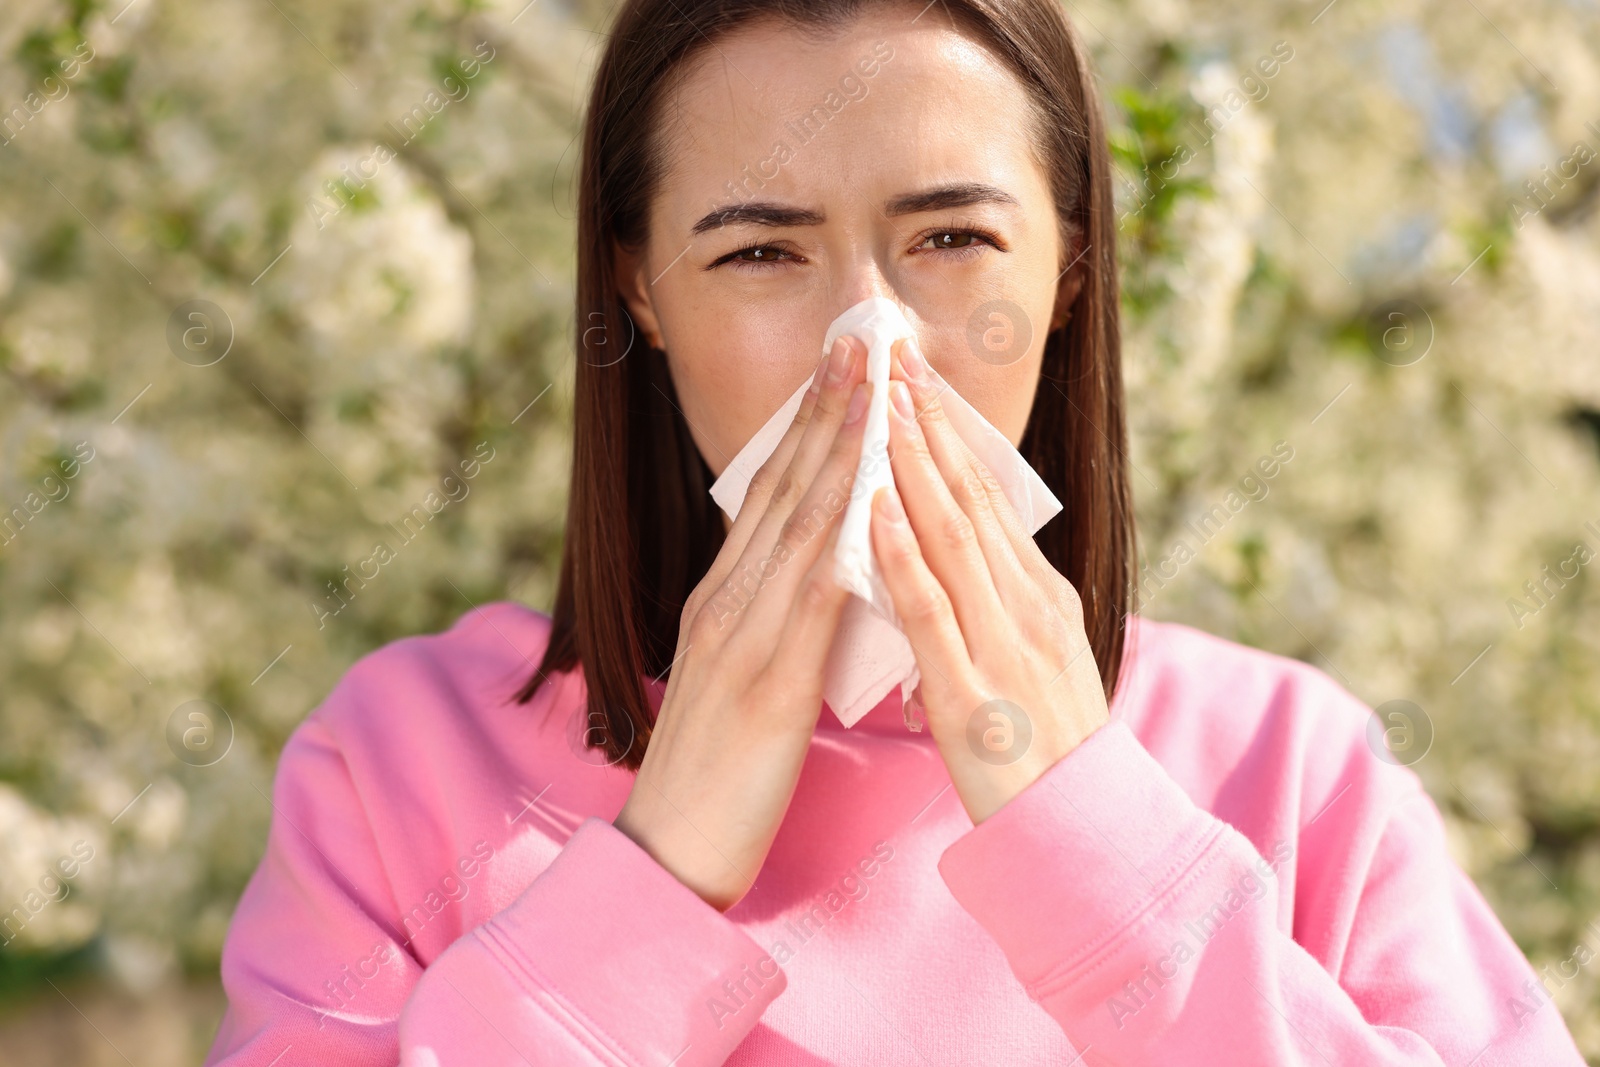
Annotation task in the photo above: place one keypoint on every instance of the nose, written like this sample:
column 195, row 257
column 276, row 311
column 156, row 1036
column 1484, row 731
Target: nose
column 863, row 280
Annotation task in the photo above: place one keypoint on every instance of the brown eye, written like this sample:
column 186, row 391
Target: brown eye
column 951, row 239
column 757, row 258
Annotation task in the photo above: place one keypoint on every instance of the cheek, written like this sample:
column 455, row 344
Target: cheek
column 1002, row 392
column 986, row 332
column 733, row 364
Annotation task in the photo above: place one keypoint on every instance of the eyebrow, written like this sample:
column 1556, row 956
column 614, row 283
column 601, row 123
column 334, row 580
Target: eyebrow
column 939, row 198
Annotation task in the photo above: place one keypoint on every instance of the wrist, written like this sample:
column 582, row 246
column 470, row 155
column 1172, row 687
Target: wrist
column 689, row 858
column 987, row 781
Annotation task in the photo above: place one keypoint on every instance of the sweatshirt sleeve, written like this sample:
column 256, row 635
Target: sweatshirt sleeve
column 1148, row 928
column 605, row 957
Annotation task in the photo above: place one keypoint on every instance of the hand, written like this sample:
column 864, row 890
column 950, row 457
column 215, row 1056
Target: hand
column 742, row 701
column 1009, row 684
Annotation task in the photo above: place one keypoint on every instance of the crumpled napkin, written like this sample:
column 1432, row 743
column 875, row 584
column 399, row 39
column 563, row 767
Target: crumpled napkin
column 870, row 654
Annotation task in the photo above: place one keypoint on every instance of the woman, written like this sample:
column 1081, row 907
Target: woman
column 511, row 842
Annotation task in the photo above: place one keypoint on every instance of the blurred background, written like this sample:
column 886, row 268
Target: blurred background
column 1360, row 238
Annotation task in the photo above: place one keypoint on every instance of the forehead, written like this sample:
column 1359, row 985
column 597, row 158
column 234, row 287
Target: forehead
column 936, row 105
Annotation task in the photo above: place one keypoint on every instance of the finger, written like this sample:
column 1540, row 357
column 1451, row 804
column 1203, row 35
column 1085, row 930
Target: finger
column 808, row 631
column 925, row 610
column 785, row 545
column 948, row 539
column 976, row 490
column 712, row 593
column 788, row 484
column 764, row 482
column 787, row 464
column 915, row 711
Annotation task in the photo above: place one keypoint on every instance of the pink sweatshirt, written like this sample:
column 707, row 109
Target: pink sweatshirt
column 1223, row 874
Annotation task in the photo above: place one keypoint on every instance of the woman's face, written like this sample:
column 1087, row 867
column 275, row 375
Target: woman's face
column 893, row 160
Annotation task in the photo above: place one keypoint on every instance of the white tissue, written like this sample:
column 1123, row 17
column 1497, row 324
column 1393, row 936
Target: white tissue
column 870, row 654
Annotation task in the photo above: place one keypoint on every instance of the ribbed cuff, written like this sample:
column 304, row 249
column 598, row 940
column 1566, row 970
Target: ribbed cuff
column 1063, row 868
column 634, row 956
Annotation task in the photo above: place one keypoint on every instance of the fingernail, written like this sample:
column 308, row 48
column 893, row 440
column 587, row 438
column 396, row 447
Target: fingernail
column 900, row 397
column 839, row 361
column 911, row 360
column 890, row 507
column 858, row 404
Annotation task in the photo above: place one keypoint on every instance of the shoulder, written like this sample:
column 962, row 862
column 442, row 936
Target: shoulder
column 1251, row 734
column 1175, row 671
column 416, row 694
column 420, row 763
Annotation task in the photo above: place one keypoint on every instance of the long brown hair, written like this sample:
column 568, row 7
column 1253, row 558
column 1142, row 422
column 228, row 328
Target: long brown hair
column 642, row 529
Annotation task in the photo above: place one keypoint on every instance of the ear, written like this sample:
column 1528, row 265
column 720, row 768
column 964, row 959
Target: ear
column 629, row 278
column 1070, row 284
